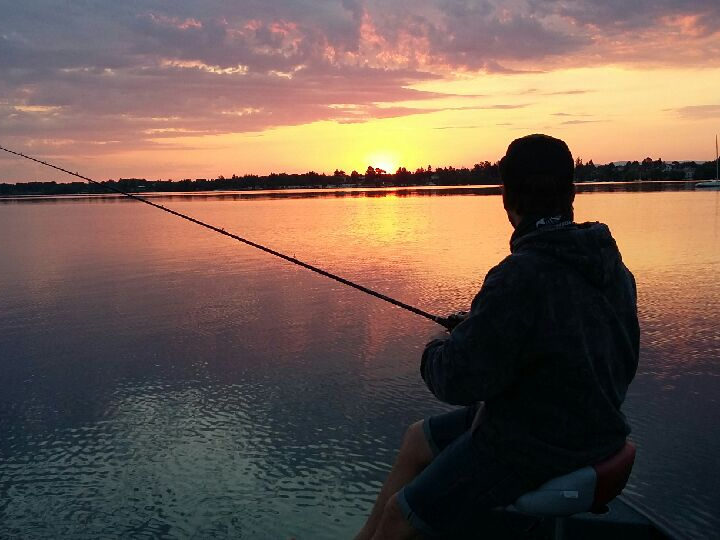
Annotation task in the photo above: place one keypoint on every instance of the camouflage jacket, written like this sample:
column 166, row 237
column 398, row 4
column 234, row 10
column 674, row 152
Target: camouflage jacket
column 550, row 346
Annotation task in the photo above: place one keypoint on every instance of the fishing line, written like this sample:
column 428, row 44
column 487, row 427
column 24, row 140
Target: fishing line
column 412, row 309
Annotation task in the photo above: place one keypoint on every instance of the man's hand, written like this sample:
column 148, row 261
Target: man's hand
column 452, row 320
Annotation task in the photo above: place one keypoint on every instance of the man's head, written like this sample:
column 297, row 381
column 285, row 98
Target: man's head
column 537, row 176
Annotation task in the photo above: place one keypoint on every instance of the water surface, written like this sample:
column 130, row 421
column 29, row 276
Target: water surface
column 159, row 380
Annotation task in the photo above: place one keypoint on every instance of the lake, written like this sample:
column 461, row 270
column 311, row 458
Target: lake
column 159, row 380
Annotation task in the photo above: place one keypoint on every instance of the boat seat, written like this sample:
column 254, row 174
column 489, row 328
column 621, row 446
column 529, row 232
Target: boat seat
column 589, row 489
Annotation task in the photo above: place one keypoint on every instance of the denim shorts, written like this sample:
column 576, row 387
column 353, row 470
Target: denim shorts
column 463, row 481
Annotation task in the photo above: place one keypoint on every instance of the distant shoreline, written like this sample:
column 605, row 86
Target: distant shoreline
column 484, row 173
column 359, row 191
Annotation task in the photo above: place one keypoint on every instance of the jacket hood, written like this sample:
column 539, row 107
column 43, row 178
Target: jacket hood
column 589, row 248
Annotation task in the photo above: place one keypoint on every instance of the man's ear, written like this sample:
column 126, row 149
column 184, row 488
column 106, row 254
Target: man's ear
column 513, row 217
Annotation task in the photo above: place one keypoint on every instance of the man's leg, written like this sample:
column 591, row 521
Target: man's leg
column 414, row 455
column 393, row 525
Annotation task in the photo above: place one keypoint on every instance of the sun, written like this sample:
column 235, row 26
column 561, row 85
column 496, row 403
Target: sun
column 383, row 160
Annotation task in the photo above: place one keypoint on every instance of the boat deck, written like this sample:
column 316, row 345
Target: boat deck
column 621, row 522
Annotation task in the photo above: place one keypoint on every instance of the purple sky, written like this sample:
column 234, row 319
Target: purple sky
column 117, row 76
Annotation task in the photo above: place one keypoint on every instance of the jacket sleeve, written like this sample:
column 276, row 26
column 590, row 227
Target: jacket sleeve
column 485, row 353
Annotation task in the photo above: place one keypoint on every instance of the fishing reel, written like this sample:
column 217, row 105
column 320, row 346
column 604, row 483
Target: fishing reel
column 452, row 320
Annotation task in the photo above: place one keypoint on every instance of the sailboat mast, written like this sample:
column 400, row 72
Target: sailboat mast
column 717, row 158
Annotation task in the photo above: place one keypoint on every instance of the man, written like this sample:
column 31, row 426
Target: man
column 541, row 364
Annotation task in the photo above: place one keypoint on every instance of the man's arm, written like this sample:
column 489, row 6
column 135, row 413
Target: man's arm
column 484, row 353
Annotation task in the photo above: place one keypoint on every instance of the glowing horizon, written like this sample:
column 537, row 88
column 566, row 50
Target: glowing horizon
column 192, row 90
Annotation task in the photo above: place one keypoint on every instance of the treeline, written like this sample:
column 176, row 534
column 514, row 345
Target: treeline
column 647, row 169
column 484, row 173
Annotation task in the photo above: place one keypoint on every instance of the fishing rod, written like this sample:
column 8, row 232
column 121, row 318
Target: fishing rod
column 447, row 322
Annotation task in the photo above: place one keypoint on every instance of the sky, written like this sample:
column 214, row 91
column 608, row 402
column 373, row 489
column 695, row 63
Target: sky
column 191, row 89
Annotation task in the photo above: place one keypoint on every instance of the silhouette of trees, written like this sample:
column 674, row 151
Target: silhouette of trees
column 706, row 171
column 403, row 177
column 482, row 173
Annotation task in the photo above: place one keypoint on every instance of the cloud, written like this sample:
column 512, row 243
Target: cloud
column 567, row 93
column 491, row 66
column 642, row 32
column 619, row 15
column 573, row 122
column 117, row 75
column 493, row 106
column 478, row 34
column 459, row 127
column 538, row 92
column 698, row 112
column 504, row 106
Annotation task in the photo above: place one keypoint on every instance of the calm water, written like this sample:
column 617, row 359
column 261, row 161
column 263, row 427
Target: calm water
column 157, row 380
